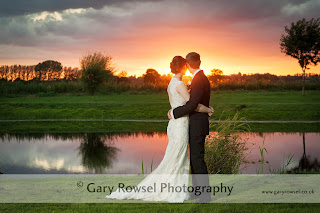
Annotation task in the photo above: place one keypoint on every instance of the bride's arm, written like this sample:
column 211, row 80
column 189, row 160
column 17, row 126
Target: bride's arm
column 183, row 91
column 169, row 95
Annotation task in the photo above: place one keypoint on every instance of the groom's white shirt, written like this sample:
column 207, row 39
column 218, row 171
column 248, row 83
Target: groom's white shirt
column 171, row 113
column 198, row 70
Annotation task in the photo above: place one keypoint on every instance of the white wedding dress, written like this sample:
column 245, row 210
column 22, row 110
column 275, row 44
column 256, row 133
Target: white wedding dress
column 174, row 168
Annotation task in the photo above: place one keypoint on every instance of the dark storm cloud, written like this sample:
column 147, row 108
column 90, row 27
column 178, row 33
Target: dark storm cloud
column 24, row 7
column 114, row 18
column 256, row 9
column 114, row 22
column 299, row 1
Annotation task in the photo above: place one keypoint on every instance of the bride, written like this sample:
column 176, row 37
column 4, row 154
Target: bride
column 173, row 170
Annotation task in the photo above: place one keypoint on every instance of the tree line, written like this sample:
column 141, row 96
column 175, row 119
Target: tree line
column 29, row 73
column 300, row 41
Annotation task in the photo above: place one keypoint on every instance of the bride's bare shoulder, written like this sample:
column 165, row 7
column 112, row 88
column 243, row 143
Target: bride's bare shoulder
column 182, row 89
column 181, row 86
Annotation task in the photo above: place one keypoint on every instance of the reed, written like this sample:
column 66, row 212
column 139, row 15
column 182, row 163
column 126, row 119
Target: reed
column 284, row 166
column 146, row 170
column 225, row 150
column 262, row 149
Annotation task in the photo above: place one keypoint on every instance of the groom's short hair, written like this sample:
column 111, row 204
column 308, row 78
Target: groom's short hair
column 193, row 59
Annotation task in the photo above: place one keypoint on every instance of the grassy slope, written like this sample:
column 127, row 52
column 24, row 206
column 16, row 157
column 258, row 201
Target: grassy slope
column 288, row 105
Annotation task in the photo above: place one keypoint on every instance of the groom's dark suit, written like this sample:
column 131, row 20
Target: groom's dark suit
column 198, row 128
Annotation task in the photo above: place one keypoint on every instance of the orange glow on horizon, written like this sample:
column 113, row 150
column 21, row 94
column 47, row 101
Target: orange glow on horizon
column 281, row 66
column 274, row 63
column 188, row 73
column 241, row 38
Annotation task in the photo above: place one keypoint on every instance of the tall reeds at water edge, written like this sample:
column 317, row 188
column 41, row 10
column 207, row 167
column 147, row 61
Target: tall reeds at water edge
column 225, row 150
column 285, row 164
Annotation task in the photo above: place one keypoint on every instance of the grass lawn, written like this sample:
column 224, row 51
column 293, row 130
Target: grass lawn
column 219, row 207
column 253, row 105
column 126, row 207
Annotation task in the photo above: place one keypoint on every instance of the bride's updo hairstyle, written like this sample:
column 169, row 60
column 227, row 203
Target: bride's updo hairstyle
column 177, row 64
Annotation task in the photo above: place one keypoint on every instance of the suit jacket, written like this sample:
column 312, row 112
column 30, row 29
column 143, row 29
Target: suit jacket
column 200, row 93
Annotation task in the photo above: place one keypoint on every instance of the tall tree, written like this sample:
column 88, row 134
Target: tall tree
column 96, row 69
column 47, row 66
column 216, row 76
column 151, row 76
column 302, row 41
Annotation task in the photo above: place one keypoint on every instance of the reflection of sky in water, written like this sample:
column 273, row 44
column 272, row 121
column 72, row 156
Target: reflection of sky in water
column 61, row 154
column 279, row 146
column 39, row 156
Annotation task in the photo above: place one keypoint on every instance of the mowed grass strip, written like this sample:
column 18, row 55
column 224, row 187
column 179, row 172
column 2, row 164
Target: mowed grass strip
column 152, row 207
column 253, row 105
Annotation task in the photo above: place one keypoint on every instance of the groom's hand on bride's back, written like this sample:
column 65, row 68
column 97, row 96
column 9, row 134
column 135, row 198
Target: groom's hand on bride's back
column 169, row 114
column 212, row 111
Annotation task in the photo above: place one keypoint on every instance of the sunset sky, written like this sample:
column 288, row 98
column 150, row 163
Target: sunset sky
column 234, row 36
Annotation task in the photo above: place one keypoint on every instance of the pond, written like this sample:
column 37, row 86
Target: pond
column 123, row 153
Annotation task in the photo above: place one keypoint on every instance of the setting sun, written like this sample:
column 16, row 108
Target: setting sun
column 164, row 94
column 188, row 73
column 138, row 39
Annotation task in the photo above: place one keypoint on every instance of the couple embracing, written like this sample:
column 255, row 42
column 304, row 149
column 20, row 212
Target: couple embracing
column 188, row 125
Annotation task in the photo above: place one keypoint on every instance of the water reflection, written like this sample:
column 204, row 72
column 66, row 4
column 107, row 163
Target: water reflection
column 80, row 153
column 305, row 163
column 122, row 153
column 96, row 155
column 17, row 137
column 280, row 146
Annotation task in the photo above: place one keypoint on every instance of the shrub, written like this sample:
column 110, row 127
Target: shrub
column 96, row 69
column 225, row 150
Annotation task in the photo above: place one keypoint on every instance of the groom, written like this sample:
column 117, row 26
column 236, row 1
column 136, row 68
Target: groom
column 198, row 124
